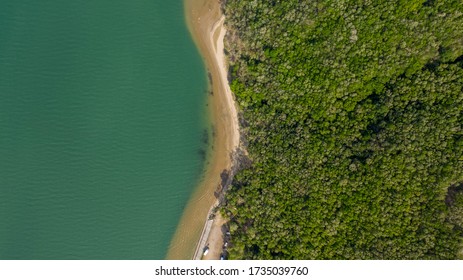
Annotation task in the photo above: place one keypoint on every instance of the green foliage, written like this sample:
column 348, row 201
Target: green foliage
column 455, row 216
column 354, row 113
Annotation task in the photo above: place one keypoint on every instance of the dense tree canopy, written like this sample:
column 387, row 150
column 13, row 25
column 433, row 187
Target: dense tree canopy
column 352, row 114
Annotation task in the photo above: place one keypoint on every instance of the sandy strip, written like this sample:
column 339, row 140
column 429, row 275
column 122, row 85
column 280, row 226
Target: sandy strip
column 205, row 22
column 223, row 73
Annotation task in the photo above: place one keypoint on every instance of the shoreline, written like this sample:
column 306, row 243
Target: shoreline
column 205, row 22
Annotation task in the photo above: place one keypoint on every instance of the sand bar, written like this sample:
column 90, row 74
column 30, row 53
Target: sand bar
column 206, row 24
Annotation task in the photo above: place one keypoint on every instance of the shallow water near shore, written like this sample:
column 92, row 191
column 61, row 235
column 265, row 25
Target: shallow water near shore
column 204, row 19
column 103, row 127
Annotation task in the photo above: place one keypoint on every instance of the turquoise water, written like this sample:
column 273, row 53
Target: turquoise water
column 102, row 108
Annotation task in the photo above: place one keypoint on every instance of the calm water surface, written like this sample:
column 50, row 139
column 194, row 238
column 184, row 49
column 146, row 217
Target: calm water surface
column 102, row 108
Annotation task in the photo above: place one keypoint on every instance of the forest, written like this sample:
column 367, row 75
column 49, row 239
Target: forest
column 351, row 115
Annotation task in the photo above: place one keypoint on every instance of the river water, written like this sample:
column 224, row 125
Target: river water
column 103, row 127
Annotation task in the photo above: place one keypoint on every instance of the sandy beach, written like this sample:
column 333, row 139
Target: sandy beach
column 206, row 24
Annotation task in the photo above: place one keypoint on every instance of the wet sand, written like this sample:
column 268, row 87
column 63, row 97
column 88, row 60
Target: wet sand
column 205, row 22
